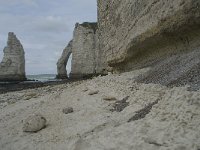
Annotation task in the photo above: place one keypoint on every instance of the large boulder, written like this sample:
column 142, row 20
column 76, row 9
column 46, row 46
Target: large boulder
column 12, row 67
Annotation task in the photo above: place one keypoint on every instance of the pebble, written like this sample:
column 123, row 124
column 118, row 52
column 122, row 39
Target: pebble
column 109, row 98
column 93, row 92
column 30, row 96
column 85, row 89
column 68, row 110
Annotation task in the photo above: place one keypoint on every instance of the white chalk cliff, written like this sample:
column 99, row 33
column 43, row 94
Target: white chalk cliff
column 86, row 60
column 62, row 62
column 12, row 67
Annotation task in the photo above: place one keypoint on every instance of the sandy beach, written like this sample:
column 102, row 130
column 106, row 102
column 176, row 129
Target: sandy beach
column 137, row 116
column 100, row 75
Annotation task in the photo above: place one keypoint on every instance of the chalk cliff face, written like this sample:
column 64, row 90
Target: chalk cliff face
column 86, row 53
column 133, row 34
column 138, row 33
column 12, row 67
column 62, row 62
column 83, row 50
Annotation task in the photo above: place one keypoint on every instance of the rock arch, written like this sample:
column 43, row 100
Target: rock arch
column 62, row 62
column 87, row 57
column 84, row 49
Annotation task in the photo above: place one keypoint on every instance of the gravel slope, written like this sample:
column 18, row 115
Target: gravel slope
column 177, row 70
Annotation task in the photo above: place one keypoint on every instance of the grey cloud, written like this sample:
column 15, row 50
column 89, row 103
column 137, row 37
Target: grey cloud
column 50, row 24
column 24, row 2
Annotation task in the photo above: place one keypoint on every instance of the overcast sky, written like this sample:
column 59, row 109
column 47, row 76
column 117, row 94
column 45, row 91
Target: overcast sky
column 44, row 28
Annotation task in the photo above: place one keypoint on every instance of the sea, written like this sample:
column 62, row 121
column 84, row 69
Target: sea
column 33, row 81
column 42, row 77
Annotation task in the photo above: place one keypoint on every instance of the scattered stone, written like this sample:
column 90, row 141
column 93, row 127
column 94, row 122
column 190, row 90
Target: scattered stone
column 12, row 101
column 120, row 105
column 68, row 110
column 153, row 142
column 109, row 73
column 30, row 95
column 85, row 89
column 2, row 105
column 109, row 98
column 93, row 92
column 34, row 123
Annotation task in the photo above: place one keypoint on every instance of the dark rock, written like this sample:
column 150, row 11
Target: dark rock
column 93, row 92
column 109, row 98
column 68, row 110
